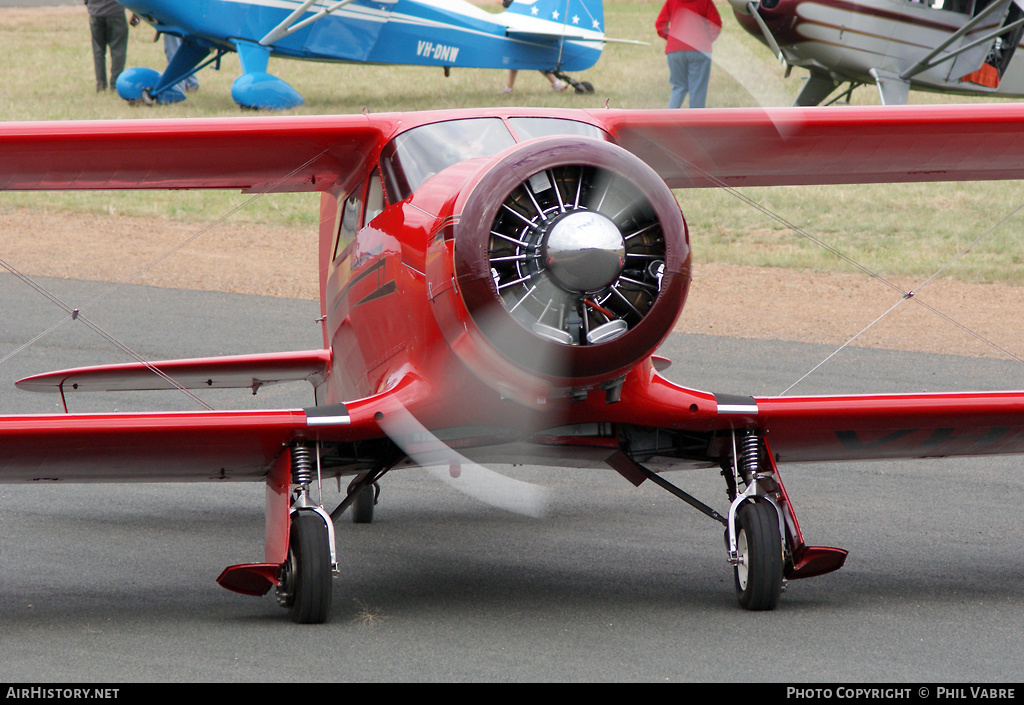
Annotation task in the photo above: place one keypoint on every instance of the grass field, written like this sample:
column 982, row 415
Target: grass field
column 896, row 230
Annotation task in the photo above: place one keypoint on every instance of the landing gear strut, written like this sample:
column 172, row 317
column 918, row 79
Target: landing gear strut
column 304, row 580
column 762, row 536
column 754, row 530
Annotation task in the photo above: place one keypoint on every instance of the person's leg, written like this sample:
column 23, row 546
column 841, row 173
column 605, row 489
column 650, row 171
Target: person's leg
column 512, row 73
column 98, row 29
column 556, row 85
column 117, row 39
column 700, row 75
column 678, row 77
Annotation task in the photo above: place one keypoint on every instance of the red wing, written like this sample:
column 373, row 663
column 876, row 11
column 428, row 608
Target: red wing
column 169, row 446
column 855, row 427
column 788, row 146
column 228, row 372
column 273, row 154
column 688, row 148
column 820, row 428
column 150, row 447
column 893, row 426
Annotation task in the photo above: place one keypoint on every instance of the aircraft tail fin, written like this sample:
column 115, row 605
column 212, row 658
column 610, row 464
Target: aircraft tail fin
column 580, row 14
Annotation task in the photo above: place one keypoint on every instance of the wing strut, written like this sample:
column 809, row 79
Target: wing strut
column 768, row 36
column 927, row 63
column 283, row 30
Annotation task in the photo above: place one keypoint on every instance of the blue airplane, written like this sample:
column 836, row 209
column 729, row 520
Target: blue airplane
column 552, row 36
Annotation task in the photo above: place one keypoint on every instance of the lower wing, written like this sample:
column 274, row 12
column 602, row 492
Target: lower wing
column 167, row 446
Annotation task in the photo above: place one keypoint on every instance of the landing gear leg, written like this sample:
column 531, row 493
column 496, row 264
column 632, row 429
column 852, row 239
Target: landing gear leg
column 363, row 492
column 754, row 531
column 304, row 580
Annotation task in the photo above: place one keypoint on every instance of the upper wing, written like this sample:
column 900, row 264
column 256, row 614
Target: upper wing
column 264, row 154
column 790, row 146
column 688, row 148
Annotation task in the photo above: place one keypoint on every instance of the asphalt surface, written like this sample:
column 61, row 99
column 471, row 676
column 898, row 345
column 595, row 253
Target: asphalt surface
column 115, row 583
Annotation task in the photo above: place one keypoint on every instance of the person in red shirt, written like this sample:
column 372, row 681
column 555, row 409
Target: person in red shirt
column 689, row 27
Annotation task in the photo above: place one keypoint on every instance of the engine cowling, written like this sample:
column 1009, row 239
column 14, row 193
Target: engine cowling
column 564, row 264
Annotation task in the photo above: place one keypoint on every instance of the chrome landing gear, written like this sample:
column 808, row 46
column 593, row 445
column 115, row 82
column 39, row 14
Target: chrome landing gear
column 762, row 536
column 304, row 580
column 754, row 529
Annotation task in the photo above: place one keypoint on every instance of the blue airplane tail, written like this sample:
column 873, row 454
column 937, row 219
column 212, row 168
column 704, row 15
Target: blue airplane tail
column 583, row 14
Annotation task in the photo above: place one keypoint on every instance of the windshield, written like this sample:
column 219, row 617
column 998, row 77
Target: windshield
column 529, row 127
column 416, row 155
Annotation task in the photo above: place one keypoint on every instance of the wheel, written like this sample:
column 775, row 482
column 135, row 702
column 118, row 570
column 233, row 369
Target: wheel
column 305, row 587
column 362, row 508
column 584, row 87
column 759, row 545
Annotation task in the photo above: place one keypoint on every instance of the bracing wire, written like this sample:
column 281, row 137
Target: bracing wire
column 904, row 295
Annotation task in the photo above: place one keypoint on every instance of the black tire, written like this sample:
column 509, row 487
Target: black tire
column 584, row 87
column 362, row 508
column 759, row 576
column 308, row 571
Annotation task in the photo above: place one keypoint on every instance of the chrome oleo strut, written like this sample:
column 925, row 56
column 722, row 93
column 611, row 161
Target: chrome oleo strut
column 302, row 476
column 758, row 482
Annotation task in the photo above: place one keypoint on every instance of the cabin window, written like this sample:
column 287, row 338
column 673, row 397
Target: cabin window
column 965, row 7
column 352, row 210
column 414, row 156
column 374, row 197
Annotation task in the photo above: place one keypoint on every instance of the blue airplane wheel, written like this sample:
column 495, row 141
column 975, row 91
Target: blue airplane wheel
column 759, row 545
column 262, row 91
column 305, row 587
column 132, row 85
column 135, row 84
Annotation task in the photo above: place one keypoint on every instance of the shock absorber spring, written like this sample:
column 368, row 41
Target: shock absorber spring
column 749, row 456
column 302, row 465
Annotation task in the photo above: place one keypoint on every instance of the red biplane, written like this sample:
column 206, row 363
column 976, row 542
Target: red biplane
column 494, row 284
